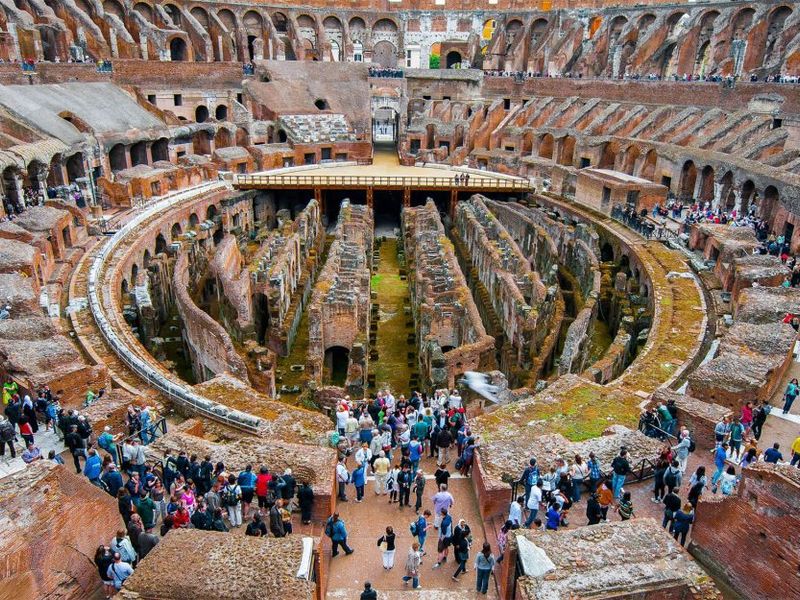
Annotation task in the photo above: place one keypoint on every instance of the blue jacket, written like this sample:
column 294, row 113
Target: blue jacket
column 113, row 481
column 93, row 467
column 553, row 518
column 339, row 531
column 358, row 476
column 719, row 457
column 247, row 480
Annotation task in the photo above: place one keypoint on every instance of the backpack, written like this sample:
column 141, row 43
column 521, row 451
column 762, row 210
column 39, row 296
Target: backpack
column 727, row 486
column 670, row 479
column 230, row 497
column 692, row 445
column 413, row 529
column 329, row 527
column 533, row 476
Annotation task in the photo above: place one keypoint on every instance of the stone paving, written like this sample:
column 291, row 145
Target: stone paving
column 366, row 522
column 46, row 440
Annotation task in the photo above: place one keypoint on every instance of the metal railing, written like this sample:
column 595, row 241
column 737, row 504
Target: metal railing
column 146, row 435
column 644, row 226
column 392, row 181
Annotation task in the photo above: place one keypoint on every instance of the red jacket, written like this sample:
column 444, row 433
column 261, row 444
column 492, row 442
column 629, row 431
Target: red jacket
column 262, row 483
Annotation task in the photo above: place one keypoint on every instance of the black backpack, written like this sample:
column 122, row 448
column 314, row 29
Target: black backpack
column 329, row 527
column 692, row 445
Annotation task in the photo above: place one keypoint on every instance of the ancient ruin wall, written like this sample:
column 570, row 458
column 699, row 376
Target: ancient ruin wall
column 338, row 314
column 210, row 346
column 226, row 265
column 763, row 515
column 518, row 296
column 444, row 311
column 52, row 522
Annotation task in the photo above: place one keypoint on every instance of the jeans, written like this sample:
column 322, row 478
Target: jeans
column 617, row 482
column 418, row 503
column 462, row 567
column 482, row 584
column 531, row 517
column 14, row 451
column 414, row 580
column 795, row 459
column 342, row 494
column 421, row 539
column 683, row 533
column 343, row 543
column 405, row 493
column 528, row 488
column 359, row 492
column 577, row 484
column 668, row 520
column 787, row 405
column 717, row 475
column 414, row 467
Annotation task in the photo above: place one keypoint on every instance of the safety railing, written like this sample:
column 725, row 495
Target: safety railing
column 147, row 435
column 177, row 391
column 642, row 225
column 398, row 181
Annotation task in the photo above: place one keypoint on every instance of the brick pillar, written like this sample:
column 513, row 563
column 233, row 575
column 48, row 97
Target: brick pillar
column 370, row 196
column 406, row 197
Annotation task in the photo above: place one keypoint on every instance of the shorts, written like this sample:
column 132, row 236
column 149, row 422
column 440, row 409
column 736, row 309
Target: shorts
column 247, row 496
column 443, row 544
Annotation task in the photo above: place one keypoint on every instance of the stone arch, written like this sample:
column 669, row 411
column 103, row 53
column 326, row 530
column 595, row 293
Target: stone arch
column 357, row 24
column 769, row 203
column 701, row 59
column 742, row 21
column 161, row 244
column 777, row 21
column 706, row 184
column 666, row 64
column 177, row 49
column 567, row 150
column 386, row 25
column 145, row 10
column 124, row 287
column 174, row 14
column 139, row 153
column 160, row 149
column 201, row 16
column 223, row 138
column 645, row 21
column 112, row 7
column 75, row 168
column 609, row 156
column 146, row 258
column 306, row 21
column 384, row 53
column 546, row 143
column 538, row 28
column 211, row 212
column 116, row 157
column 688, row 180
column 727, row 194
column 194, row 220
column 228, row 19
column 201, row 113
column 332, row 22
column 747, row 196
column 452, row 59
column 280, row 22
column 672, row 21
column 221, row 112
column 134, row 273
column 629, row 162
column 648, row 170
column 606, row 252
column 176, row 231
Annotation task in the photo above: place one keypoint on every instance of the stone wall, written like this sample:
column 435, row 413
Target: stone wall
column 697, row 416
column 226, row 265
column 763, row 514
column 452, row 338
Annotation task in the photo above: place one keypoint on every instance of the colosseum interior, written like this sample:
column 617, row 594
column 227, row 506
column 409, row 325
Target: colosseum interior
column 230, row 220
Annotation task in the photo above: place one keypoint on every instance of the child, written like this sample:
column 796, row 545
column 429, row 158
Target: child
column 391, row 484
column 625, row 508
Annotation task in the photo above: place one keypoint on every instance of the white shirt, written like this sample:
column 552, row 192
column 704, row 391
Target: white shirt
column 341, row 418
column 341, row 473
column 535, row 498
column 455, row 401
column 363, row 456
column 515, row 513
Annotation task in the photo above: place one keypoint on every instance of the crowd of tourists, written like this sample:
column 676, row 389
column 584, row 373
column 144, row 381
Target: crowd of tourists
column 386, row 438
column 386, row 72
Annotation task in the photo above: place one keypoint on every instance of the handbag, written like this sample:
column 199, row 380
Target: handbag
column 382, row 544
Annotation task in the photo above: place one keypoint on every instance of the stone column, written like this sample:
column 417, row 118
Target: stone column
column 737, row 194
column 717, row 194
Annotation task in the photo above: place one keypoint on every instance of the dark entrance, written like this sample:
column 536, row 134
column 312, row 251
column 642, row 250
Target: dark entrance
column 387, row 205
column 336, row 362
column 261, row 317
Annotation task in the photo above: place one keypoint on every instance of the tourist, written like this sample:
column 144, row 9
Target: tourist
column 276, row 526
column 460, row 542
column 658, row 480
column 359, row 478
column 502, row 540
column 773, row 455
column 728, row 481
column 213, row 498
column 146, row 509
column 683, row 521
column 217, row 522
column 263, row 480
column 443, row 442
column 7, row 437
column 135, row 527
column 119, row 571
column 413, row 562
column 620, row 467
column 256, row 528
column 529, row 477
column 445, row 526
column 147, row 541
column 442, row 502
column 720, row 455
column 93, row 467
column 418, row 489
column 305, row 498
column 795, row 450
column 404, row 481
column 605, row 497
column 792, row 390
column 673, row 476
column 31, row 454
column 625, row 507
column 232, row 499
column 750, row 457
column 103, row 559
column 122, row 544
column 672, row 504
column 484, row 565
column 335, row 529
column 381, row 468
column 387, row 548
column 681, row 450
column 534, row 502
column 247, row 483
column 181, row 518
column 392, row 484
column 202, row 517
column 578, row 472
column 420, row 529
column 747, row 416
column 515, row 512
column 56, row 458
column 553, row 516
column 441, row 475
column 697, row 483
column 595, row 472
column 594, row 513
column 368, row 593
column 760, row 415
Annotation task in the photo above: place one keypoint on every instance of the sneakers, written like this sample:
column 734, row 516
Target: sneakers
column 436, row 566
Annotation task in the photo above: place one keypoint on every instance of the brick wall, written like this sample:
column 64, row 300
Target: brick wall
column 764, row 517
column 493, row 499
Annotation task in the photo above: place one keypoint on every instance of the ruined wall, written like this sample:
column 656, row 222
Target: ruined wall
column 764, row 515
column 338, row 314
column 452, row 338
column 227, row 266
column 210, row 346
column 53, row 522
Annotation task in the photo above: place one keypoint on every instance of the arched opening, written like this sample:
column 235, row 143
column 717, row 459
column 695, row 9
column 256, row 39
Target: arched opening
column 321, row 104
column 160, row 149
column 146, row 258
column 218, row 235
column 606, row 253
column 194, row 220
column 769, row 204
column 748, row 196
column 453, row 59
column 174, row 14
column 201, row 113
column 176, row 231
column 134, row 273
column 727, row 194
column 112, row 7
column 667, row 62
column 116, row 157
column 546, row 146
column 279, row 21
column 177, row 49
column 144, row 10
column 701, row 60
column 222, row 139
column 221, row 112
column 609, row 157
column 631, row 156
column 336, row 362
column 649, row 166
column 568, row 150
column 124, row 288
column 688, row 180
column 211, row 212
column 161, row 244
column 281, row 136
column 777, row 22
column 75, row 167
column 384, row 54
column 706, row 184
column 139, row 153
column 261, row 318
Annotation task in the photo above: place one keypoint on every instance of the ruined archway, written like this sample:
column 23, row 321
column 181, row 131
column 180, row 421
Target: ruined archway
column 453, row 59
column 706, row 184
column 384, row 54
column 546, row 146
column 336, row 362
column 177, row 49
column 117, row 159
column 649, row 166
column 688, row 180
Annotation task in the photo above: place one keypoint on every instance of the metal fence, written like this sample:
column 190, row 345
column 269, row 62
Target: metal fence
column 146, row 435
column 642, row 225
column 389, row 181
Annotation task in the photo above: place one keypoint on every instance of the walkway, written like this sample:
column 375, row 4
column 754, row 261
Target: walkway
column 46, row 440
